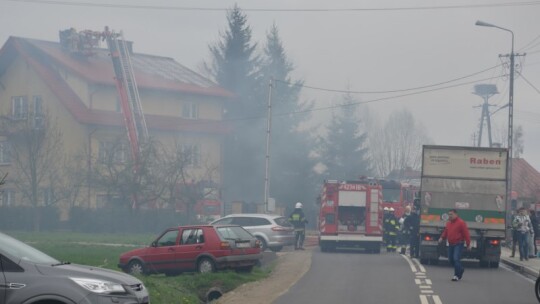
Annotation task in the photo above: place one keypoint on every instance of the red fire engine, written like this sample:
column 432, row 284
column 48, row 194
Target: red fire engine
column 351, row 215
column 397, row 195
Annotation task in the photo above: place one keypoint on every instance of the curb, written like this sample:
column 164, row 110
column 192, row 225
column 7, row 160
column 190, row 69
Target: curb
column 520, row 267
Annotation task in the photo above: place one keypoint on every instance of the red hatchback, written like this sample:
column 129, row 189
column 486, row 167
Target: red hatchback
column 195, row 248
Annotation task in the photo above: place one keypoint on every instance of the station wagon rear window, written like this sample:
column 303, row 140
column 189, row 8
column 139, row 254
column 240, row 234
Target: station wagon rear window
column 233, row 233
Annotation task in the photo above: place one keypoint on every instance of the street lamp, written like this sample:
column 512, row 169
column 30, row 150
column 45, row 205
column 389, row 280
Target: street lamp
column 510, row 114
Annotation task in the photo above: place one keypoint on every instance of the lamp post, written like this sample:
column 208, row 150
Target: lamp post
column 510, row 114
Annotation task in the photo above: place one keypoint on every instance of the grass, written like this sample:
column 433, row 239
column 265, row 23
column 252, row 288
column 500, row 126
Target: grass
column 103, row 250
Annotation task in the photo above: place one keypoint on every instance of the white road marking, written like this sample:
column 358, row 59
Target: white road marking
column 413, row 268
column 424, row 284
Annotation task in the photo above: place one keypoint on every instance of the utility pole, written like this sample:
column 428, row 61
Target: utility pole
column 267, row 159
column 485, row 91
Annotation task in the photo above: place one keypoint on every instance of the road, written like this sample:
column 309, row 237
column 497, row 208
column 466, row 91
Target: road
column 352, row 277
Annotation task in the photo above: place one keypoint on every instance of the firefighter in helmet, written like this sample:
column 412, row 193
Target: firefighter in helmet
column 386, row 213
column 404, row 232
column 298, row 219
column 392, row 227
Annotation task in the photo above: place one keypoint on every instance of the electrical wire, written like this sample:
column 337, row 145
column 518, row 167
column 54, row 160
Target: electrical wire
column 529, row 83
column 382, row 99
column 390, row 91
column 304, row 10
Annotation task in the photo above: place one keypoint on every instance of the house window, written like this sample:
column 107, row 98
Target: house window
column 191, row 154
column 121, row 153
column 115, row 152
column 47, row 196
column 38, row 112
column 5, row 152
column 8, row 196
column 19, row 107
column 190, row 110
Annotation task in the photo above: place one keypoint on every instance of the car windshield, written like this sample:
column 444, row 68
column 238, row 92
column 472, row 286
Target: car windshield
column 233, row 233
column 18, row 249
column 282, row 221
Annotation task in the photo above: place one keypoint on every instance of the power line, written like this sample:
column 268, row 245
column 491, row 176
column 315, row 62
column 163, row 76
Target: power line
column 390, row 91
column 363, row 102
column 527, row 81
column 304, row 10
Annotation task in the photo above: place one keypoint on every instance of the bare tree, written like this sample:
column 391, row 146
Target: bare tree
column 398, row 144
column 40, row 167
column 114, row 172
column 187, row 177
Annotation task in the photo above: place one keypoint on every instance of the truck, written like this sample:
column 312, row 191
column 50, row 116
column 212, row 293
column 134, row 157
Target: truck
column 471, row 180
column 397, row 195
column 350, row 215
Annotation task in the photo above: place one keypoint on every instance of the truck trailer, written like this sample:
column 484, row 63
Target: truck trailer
column 471, row 180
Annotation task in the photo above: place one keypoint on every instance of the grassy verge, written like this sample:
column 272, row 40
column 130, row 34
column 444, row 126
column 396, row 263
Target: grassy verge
column 104, row 250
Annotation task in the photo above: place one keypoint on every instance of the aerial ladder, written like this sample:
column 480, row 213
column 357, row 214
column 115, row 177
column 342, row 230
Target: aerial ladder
column 130, row 101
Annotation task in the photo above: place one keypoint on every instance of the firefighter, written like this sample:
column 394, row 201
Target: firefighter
column 298, row 219
column 385, row 228
column 392, row 228
column 404, row 232
column 412, row 224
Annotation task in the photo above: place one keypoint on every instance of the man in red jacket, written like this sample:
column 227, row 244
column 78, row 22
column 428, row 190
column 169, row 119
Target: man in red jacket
column 457, row 233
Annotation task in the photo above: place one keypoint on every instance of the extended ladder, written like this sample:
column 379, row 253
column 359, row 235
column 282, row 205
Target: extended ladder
column 129, row 94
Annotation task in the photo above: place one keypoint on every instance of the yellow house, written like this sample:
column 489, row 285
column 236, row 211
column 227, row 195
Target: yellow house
column 78, row 91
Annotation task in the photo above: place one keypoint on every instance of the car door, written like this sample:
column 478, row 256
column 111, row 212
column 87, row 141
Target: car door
column 12, row 281
column 3, row 285
column 192, row 243
column 161, row 256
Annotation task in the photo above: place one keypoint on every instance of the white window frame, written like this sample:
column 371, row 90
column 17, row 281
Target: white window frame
column 190, row 110
column 5, row 152
column 19, row 107
column 192, row 154
column 8, row 197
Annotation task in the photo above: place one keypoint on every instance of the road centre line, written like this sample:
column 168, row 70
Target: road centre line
column 411, row 264
column 424, row 284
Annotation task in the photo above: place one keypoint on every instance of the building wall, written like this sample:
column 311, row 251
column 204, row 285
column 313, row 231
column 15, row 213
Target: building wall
column 20, row 79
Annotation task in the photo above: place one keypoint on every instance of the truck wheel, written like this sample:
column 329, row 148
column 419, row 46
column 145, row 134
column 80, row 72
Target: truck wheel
column 423, row 261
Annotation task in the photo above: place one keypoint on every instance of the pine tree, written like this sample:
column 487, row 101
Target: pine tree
column 235, row 67
column 291, row 169
column 343, row 150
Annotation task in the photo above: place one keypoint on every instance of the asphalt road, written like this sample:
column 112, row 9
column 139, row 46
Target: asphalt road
column 352, row 277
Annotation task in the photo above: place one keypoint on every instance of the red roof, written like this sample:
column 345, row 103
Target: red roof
column 525, row 179
column 42, row 56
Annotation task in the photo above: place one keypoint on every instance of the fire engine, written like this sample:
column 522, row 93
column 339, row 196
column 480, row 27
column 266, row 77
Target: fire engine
column 351, row 215
column 398, row 195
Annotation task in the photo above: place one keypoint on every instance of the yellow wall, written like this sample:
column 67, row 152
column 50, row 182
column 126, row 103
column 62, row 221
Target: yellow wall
column 20, row 79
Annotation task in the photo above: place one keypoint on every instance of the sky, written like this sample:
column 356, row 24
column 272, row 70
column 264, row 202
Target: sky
column 362, row 46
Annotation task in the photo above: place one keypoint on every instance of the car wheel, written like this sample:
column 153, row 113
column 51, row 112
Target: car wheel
column 136, row 268
column 537, row 289
column 276, row 249
column 263, row 243
column 206, row 265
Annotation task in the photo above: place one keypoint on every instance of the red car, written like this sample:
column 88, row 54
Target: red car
column 201, row 248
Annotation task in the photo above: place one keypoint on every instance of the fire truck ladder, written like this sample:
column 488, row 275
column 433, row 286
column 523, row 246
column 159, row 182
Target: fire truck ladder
column 129, row 94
